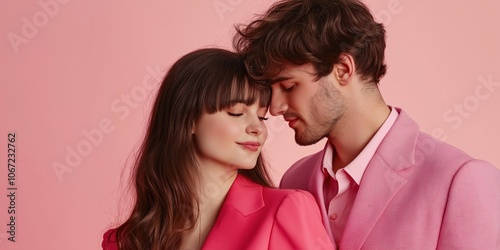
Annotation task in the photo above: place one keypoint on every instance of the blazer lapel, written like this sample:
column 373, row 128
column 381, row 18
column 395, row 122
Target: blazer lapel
column 371, row 200
column 246, row 198
column 381, row 181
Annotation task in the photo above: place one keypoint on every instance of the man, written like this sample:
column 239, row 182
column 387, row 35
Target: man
column 380, row 182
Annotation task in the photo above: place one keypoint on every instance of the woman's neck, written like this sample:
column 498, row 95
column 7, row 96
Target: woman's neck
column 214, row 184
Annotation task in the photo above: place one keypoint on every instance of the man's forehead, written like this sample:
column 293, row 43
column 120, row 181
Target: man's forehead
column 290, row 71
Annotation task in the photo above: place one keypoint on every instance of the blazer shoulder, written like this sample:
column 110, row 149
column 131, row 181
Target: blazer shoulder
column 300, row 172
column 474, row 192
column 280, row 197
column 299, row 195
column 109, row 240
column 276, row 193
column 435, row 159
column 297, row 223
column 437, row 151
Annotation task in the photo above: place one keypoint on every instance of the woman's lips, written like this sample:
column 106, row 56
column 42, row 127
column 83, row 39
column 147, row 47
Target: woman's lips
column 252, row 146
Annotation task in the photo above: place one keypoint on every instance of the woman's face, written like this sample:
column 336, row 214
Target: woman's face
column 232, row 137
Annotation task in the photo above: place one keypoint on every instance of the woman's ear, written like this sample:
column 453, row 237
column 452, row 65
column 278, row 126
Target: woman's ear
column 344, row 69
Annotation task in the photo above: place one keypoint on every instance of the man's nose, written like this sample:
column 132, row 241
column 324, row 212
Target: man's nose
column 278, row 104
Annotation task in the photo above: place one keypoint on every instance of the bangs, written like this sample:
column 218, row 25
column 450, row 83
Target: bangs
column 239, row 90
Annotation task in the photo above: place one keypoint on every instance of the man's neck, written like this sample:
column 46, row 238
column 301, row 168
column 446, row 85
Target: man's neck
column 359, row 126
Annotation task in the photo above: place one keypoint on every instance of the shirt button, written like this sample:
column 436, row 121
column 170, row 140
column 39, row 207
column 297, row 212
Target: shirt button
column 333, row 216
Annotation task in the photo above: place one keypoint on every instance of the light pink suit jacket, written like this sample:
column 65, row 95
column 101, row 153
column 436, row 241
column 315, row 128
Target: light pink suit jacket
column 255, row 217
column 416, row 193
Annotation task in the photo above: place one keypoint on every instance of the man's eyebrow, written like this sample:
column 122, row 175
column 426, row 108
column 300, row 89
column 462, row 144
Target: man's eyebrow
column 280, row 79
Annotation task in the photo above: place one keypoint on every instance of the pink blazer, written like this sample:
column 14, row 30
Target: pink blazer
column 416, row 193
column 255, row 217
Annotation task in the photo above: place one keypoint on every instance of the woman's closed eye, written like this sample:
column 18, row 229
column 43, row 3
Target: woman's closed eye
column 262, row 118
column 234, row 114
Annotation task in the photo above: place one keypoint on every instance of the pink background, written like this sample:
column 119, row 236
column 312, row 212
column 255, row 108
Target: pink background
column 89, row 67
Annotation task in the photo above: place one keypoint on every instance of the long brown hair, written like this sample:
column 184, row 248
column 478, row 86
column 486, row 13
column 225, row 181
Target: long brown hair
column 165, row 172
column 316, row 32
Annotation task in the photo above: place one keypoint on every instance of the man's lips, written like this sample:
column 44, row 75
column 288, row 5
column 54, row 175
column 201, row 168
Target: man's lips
column 250, row 145
column 291, row 121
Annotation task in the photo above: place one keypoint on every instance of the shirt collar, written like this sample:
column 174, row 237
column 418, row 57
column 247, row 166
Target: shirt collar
column 357, row 167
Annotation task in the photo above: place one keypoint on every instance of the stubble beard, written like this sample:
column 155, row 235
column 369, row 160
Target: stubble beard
column 326, row 108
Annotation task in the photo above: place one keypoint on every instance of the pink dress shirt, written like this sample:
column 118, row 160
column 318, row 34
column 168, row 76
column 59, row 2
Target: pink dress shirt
column 340, row 188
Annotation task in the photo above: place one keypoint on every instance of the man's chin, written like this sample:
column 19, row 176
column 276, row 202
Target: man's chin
column 306, row 141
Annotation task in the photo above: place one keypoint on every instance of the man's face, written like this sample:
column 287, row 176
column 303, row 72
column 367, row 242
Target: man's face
column 312, row 108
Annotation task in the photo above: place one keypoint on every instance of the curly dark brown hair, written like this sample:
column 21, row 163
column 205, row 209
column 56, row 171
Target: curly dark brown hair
column 313, row 31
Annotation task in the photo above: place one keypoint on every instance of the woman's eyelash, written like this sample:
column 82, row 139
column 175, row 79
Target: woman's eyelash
column 262, row 118
column 234, row 114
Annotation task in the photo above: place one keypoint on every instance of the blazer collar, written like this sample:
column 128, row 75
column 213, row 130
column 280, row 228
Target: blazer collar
column 399, row 146
column 245, row 196
column 383, row 178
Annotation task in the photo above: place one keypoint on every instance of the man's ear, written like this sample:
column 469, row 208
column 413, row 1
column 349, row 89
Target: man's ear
column 344, row 69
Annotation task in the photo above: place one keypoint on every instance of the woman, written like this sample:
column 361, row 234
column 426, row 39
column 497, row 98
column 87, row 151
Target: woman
column 199, row 177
